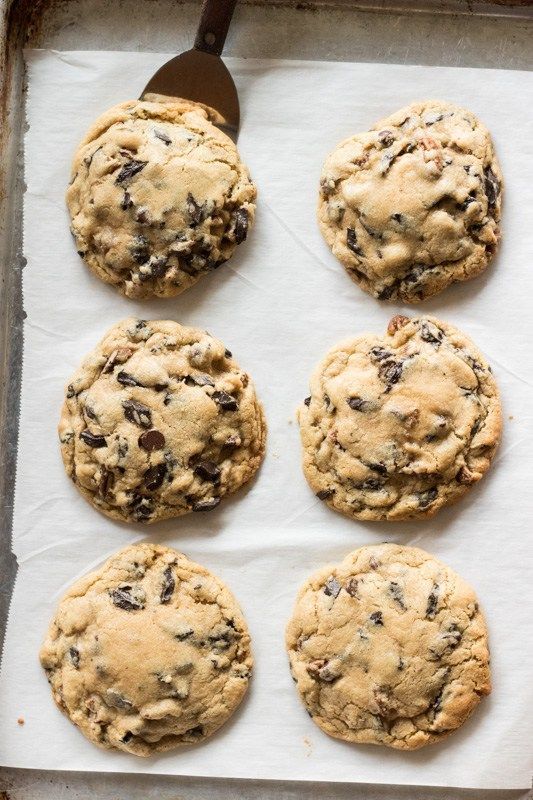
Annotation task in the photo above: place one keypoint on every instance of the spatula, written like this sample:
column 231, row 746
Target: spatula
column 200, row 74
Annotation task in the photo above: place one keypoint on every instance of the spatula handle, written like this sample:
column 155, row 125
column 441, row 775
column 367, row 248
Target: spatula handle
column 214, row 24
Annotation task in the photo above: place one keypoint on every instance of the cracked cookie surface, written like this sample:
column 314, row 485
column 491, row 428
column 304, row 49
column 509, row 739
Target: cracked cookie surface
column 400, row 425
column 148, row 653
column 413, row 205
column 389, row 647
column 158, row 197
column 158, row 421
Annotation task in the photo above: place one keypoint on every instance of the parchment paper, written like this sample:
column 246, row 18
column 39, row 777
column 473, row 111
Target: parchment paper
column 279, row 304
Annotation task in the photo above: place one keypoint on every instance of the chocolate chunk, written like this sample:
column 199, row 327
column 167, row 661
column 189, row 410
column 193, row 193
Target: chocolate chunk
column 226, row 401
column 195, row 211
column 123, row 598
column 307, row 401
column 492, row 188
column 118, row 356
column 129, row 170
column 154, row 476
column 93, row 439
column 352, row 587
column 376, row 617
column 151, row 440
column 386, row 138
column 107, row 481
column 127, row 380
column 128, row 736
column 433, row 601
column 198, row 380
column 158, row 267
column 142, row 507
column 140, row 249
column 390, row 372
column 228, row 353
column 169, row 584
column 207, row 471
column 426, row 498
column 137, row 413
column 432, row 335
column 387, row 292
column 89, row 412
column 380, row 468
column 74, row 655
column 332, row 587
column 240, row 225
column 71, row 392
column 358, row 404
column 116, row 700
column 127, row 202
column 162, row 136
column 351, row 242
column 373, row 563
column 325, row 494
column 371, row 485
column 397, row 594
column 206, row 505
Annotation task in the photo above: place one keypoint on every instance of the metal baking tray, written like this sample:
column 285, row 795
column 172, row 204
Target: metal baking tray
column 467, row 33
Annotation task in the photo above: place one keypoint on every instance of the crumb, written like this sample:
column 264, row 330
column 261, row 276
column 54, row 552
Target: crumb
column 308, row 746
column 290, row 422
column 20, row 720
column 511, row 416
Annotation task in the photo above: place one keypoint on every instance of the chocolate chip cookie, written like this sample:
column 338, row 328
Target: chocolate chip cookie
column 400, row 425
column 160, row 420
column 389, row 647
column 158, row 197
column 413, row 205
column 148, row 653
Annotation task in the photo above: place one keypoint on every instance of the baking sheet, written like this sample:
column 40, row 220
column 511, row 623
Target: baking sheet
column 279, row 304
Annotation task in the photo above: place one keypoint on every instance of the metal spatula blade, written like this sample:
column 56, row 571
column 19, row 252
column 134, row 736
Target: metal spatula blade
column 200, row 74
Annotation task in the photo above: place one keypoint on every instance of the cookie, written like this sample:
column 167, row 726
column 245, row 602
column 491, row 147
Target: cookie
column 158, row 197
column 400, row 425
column 158, row 421
column 388, row 647
column 148, row 653
column 413, row 205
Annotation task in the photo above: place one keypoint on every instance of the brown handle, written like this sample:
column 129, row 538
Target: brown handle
column 214, row 24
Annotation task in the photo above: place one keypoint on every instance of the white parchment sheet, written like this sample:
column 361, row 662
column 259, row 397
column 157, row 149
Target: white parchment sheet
column 279, row 304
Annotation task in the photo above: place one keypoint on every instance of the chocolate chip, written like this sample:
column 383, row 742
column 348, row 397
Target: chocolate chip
column 226, row 401
column 151, row 440
column 158, row 267
column 74, row 655
column 352, row 587
column 128, row 736
column 240, row 225
column 228, row 353
column 207, row 471
column 371, row 485
column 307, row 401
column 129, row 170
column 351, row 242
column 93, row 439
column 137, row 413
column 142, row 507
column 377, row 617
column 123, row 598
column 71, row 392
column 169, row 584
column 154, row 476
column 390, row 372
column 380, row 468
column 325, row 494
column 426, row 498
column 433, row 601
column 492, row 187
column 332, row 587
column 116, row 700
column 206, row 505
column 464, row 476
column 358, row 404
column 196, row 212
column 397, row 594
column 373, row 562
column 162, row 136
column 127, row 380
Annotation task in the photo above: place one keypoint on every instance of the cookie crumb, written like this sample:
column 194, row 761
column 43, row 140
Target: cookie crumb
column 21, row 720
